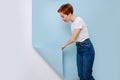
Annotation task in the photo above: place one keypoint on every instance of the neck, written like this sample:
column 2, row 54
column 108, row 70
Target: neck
column 72, row 18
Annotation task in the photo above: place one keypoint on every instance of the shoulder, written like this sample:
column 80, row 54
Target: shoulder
column 78, row 23
column 78, row 20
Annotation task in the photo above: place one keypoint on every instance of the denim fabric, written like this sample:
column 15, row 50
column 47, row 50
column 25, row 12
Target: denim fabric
column 85, row 59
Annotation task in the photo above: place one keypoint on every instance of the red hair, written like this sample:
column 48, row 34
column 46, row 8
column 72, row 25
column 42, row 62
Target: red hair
column 66, row 9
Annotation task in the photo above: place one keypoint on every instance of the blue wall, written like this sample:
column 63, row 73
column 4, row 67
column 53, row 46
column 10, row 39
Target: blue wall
column 49, row 32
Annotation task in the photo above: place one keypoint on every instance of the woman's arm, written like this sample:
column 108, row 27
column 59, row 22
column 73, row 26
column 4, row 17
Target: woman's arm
column 72, row 39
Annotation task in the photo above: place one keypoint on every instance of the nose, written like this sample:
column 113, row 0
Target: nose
column 63, row 19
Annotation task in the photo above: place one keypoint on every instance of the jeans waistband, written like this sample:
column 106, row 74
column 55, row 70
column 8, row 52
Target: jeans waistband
column 86, row 40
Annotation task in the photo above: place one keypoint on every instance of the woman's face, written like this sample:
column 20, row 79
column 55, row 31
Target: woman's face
column 65, row 18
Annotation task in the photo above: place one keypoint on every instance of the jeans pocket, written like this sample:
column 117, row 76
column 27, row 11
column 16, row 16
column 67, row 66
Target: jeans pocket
column 82, row 49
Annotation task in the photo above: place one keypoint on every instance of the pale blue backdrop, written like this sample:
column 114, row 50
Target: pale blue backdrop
column 49, row 32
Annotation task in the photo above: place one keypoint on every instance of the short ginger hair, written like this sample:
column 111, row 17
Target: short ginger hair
column 66, row 9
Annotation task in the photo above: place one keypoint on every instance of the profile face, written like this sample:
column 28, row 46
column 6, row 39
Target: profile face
column 65, row 18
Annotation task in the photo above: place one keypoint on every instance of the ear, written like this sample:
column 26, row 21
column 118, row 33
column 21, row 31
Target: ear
column 69, row 14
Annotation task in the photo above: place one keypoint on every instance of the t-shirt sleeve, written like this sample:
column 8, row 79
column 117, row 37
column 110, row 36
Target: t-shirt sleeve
column 78, row 25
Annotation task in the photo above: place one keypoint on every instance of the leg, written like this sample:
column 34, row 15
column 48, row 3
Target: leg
column 88, row 59
column 80, row 65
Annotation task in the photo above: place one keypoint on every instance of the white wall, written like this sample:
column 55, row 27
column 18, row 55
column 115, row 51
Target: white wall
column 18, row 60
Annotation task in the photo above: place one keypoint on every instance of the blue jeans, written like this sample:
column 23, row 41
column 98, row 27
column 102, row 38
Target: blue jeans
column 85, row 59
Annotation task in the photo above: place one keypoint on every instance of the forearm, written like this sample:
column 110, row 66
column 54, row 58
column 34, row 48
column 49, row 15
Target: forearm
column 70, row 41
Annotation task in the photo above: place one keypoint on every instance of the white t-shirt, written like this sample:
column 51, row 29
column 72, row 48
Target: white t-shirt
column 78, row 23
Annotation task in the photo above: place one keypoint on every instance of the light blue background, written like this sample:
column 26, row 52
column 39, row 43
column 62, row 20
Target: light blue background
column 102, row 18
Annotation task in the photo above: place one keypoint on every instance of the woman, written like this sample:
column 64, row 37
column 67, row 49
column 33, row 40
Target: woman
column 85, row 49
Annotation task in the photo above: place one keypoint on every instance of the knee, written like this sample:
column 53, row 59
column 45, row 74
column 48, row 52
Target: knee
column 87, row 76
column 80, row 76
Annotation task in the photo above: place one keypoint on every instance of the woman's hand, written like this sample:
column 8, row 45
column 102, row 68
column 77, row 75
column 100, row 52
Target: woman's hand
column 62, row 47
